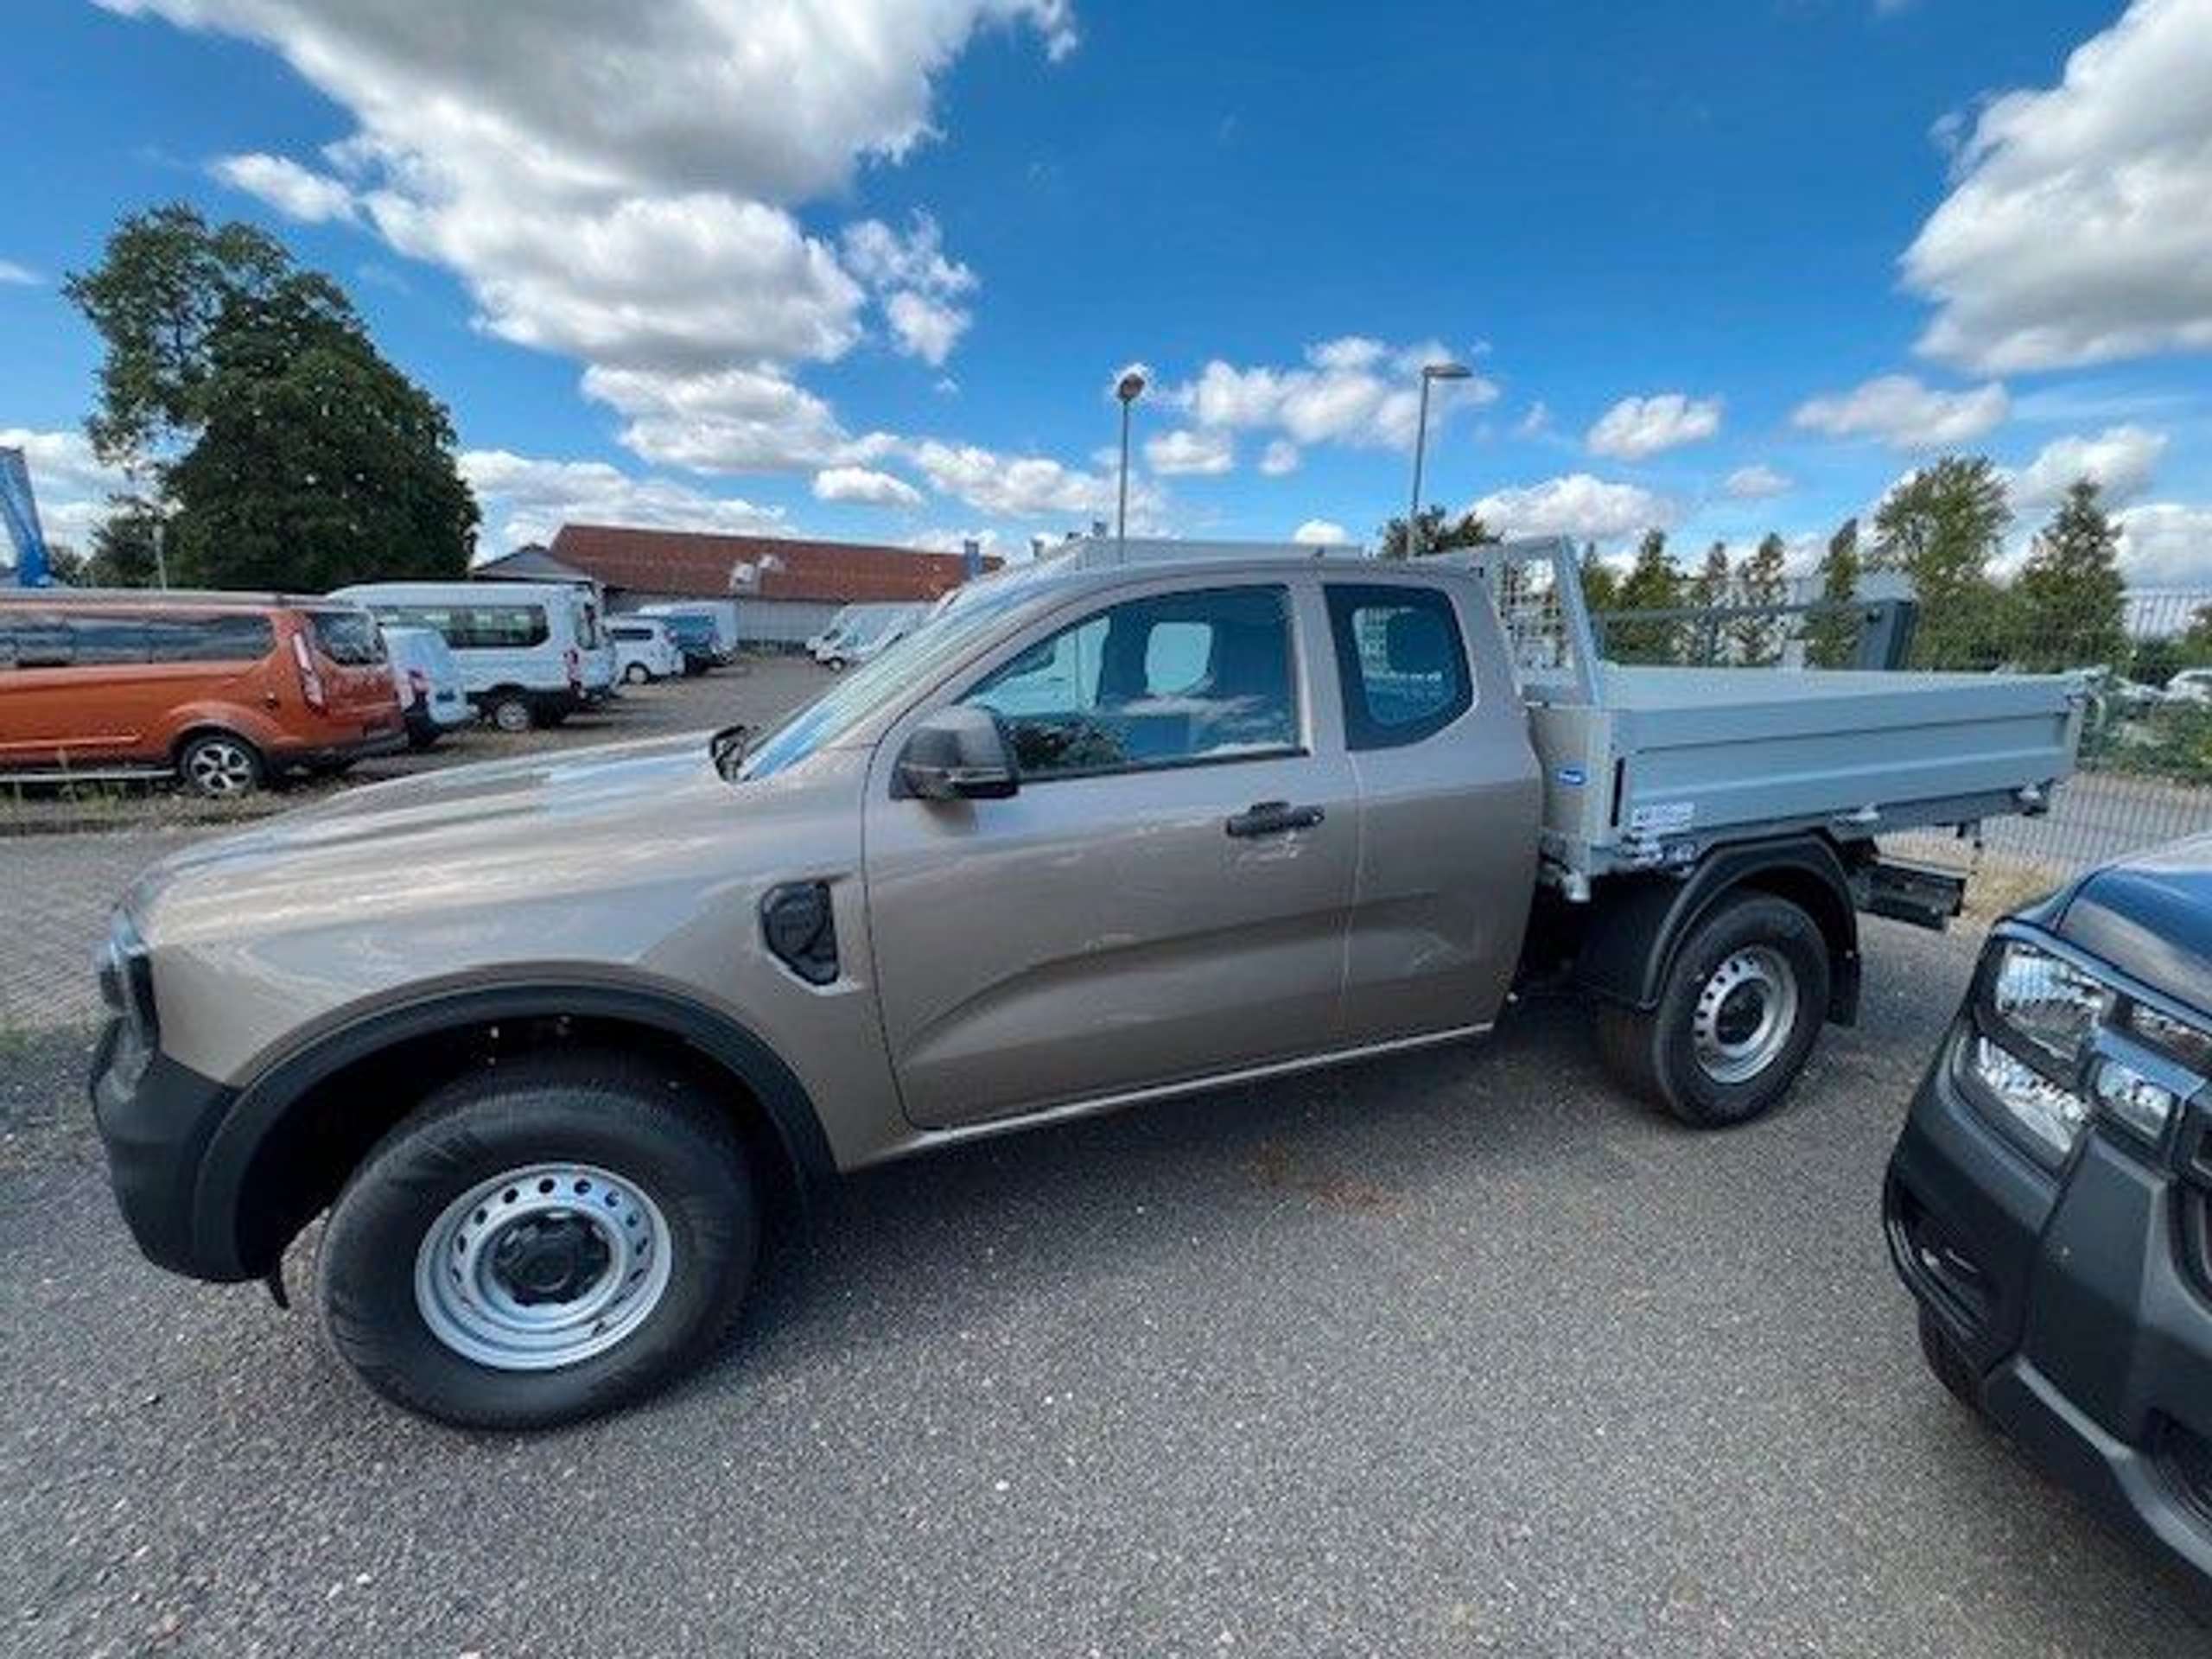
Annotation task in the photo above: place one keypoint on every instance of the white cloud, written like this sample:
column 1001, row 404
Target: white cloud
column 1015, row 486
column 2121, row 459
column 526, row 500
column 1351, row 391
column 731, row 420
column 918, row 281
column 69, row 482
column 1637, row 427
column 1185, row 452
column 1321, row 532
column 1755, row 482
column 15, row 275
column 1905, row 414
column 1535, row 423
column 1280, row 458
column 1576, row 504
column 924, row 328
column 954, row 541
column 295, row 191
column 616, row 184
column 2165, row 544
column 866, row 486
column 2075, row 231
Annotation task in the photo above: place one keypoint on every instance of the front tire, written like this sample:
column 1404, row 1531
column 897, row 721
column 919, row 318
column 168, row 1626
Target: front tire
column 1741, row 1008
column 637, row 674
column 542, row 1240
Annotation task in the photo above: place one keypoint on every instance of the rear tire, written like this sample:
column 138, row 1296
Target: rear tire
column 1741, row 1008
column 572, row 1304
column 637, row 674
column 511, row 712
column 220, row 767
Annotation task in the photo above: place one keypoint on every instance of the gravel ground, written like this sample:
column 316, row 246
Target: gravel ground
column 1452, row 1353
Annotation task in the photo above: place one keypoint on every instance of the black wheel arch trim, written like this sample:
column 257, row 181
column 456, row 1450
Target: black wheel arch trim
column 1630, row 943
column 260, row 1105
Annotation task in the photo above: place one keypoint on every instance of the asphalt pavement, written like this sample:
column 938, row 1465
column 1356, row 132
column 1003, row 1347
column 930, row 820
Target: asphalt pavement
column 1454, row 1353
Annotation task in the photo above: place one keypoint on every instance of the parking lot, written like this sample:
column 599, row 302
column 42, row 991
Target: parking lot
column 1453, row 1353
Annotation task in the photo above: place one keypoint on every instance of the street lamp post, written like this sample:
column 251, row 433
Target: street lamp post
column 1428, row 371
column 1129, row 389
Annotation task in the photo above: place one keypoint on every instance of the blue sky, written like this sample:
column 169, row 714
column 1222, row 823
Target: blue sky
column 866, row 268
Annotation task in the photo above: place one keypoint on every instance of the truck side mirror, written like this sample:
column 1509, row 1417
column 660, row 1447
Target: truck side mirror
column 959, row 753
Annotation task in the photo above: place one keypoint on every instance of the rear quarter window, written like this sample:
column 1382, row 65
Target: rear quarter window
column 1401, row 661
column 349, row 639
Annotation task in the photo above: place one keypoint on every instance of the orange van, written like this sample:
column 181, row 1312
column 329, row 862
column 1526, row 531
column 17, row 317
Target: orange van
column 225, row 690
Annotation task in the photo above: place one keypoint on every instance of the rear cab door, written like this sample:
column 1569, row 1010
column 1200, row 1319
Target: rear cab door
column 1450, row 801
column 1165, row 898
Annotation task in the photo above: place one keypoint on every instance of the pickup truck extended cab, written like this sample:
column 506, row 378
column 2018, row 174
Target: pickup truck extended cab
column 1097, row 834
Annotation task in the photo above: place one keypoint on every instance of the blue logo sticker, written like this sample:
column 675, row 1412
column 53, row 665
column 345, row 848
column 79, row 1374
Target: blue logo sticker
column 1573, row 775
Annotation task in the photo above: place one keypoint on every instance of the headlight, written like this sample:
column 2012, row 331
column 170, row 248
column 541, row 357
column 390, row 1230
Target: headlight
column 2051, row 1115
column 2049, row 1004
column 2047, row 1051
column 126, row 977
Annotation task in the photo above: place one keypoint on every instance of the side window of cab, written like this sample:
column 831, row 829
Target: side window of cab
column 1401, row 659
column 1169, row 680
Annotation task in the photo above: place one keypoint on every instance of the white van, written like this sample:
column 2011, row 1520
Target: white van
column 433, row 697
column 644, row 649
column 519, row 644
column 838, row 623
column 723, row 612
column 879, row 628
column 596, row 646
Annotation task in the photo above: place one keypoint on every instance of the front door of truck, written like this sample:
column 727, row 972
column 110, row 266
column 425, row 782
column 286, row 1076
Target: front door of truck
column 1166, row 896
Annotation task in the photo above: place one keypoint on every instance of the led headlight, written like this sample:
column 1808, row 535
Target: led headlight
column 2051, row 1117
column 2143, row 1104
column 2047, row 1003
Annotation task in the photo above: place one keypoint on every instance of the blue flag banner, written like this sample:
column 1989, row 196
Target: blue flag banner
column 21, row 513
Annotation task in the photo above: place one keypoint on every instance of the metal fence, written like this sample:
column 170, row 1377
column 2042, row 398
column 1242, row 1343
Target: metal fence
column 2145, row 771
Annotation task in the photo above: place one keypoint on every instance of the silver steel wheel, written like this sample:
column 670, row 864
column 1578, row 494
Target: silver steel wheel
column 511, row 715
column 219, row 767
column 1745, row 1012
column 542, row 1266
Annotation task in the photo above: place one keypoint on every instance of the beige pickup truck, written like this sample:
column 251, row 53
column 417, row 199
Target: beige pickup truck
column 547, row 1038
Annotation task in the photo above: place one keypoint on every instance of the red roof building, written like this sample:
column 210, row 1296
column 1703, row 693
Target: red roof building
column 638, row 565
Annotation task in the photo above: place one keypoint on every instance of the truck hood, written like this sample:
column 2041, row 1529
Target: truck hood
column 467, row 814
column 2150, row 915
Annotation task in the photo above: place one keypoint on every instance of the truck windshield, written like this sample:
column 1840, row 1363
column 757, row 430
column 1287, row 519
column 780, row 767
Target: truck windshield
column 911, row 662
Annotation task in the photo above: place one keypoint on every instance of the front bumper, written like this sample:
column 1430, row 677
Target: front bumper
column 155, row 1119
column 2080, row 1301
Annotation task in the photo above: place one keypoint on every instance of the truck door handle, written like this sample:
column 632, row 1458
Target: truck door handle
column 1273, row 818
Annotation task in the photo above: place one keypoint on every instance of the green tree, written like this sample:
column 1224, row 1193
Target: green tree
column 158, row 298
column 1437, row 534
column 2071, row 600
column 1653, row 583
column 1941, row 527
column 1757, row 639
column 282, row 448
column 1708, row 590
column 126, row 547
column 1831, row 637
column 1601, row 589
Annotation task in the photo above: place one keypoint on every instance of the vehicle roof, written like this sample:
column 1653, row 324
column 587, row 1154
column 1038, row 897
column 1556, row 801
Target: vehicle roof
column 197, row 599
column 1081, row 568
column 487, row 593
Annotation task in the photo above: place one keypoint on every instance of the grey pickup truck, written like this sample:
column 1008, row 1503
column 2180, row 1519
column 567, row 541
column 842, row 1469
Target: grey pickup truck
column 549, row 1038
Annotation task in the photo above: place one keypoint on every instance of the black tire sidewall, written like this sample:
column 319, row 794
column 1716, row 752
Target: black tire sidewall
column 367, row 1269
column 1735, row 923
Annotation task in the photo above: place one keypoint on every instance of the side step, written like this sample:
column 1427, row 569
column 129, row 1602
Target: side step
column 1926, row 895
column 85, row 775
